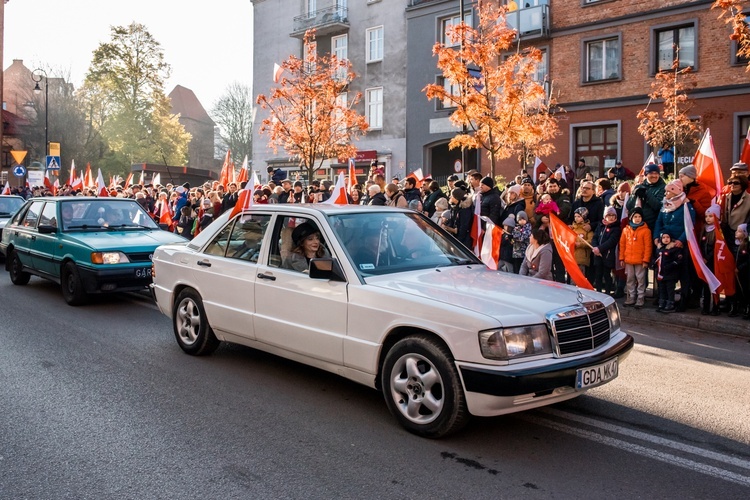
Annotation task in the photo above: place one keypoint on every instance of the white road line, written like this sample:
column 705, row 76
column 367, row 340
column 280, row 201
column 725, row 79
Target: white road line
column 719, row 457
column 642, row 450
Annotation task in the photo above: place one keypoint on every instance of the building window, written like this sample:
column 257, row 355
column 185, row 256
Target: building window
column 602, row 59
column 340, row 47
column 675, row 43
column 744, row 123
column 451, row 89
column 312, row 6
column 541, row 72
column 374, row 106
column 448, row 22
column 596, row 144
column 736, row 58
column 374, row 44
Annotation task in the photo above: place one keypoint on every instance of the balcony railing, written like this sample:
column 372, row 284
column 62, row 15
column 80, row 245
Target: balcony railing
column 531, row 22
column 326, row 21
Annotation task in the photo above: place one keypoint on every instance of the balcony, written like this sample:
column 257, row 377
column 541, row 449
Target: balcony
column 328, row 21
column 531, row 22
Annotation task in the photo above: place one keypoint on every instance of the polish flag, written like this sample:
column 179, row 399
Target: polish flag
column 707, row 165
column 338, row 196
column 75, row 182
column 165, row 215
column 6, row 189
column 745, row 155
column 224, row 175
column 476, row 224
column 48, row 183
column 243, row 176
column 724, row 264
column 129, row 180
column 565, row 242
column 72, row 172
column 562, row 172
column 701, row 268
column 142, row 180
column 651, row 159
column 418, row 176
column 244, row 198
column 277, row 71
column 538, row 166
column 87, row 180
column 352, row 174
column 156, row 180
column 101, row 188
column 490, row 252
column 56, row 186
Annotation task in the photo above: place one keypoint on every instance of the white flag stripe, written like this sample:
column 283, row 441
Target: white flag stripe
column 711, row 279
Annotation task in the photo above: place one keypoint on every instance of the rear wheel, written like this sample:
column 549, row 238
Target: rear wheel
column 15, row 268
column 191, row 329
column 72, row 287
column 422, row 388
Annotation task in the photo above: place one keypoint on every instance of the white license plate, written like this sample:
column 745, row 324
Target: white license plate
column 144, row 272
column 591, row 376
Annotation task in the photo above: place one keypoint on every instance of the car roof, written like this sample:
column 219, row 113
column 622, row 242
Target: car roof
column 11, row 196
column 323, row 208
column 108, row 199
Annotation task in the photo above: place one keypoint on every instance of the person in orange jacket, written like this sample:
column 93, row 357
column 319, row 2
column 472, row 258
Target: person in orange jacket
column 635, row 255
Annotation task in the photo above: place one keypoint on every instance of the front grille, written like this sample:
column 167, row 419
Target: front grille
column 141, row 257
column 579, row 329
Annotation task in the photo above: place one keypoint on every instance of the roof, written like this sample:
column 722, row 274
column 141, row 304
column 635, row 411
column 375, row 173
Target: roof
column 187, row 105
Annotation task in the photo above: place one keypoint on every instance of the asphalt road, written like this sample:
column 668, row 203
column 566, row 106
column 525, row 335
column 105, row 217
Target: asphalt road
column 99, row 402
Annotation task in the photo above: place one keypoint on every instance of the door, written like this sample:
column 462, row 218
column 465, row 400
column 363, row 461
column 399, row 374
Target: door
column 25, row 235
column 293, row 311
column 47, row 245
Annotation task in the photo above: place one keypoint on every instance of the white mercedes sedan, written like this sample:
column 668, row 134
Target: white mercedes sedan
column 386, row 298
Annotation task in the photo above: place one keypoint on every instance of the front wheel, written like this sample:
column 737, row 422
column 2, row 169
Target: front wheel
column 72, row 287
column 422, row 388
column 191, row 329
column 15, row 268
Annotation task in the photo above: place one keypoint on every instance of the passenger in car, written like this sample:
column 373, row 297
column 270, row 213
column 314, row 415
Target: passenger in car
column 307, row 245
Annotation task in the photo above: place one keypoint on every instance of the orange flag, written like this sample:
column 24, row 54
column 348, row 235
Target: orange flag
column 224, row 175
column 87, row 180
column 243, row 175
column 352, row 174
column 707, row 165
column 338, row 196
column 565, row 242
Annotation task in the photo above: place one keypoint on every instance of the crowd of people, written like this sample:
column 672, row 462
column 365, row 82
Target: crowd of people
column 626, row 224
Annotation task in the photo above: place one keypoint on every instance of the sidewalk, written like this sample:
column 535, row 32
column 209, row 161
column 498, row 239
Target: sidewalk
column 692, row 318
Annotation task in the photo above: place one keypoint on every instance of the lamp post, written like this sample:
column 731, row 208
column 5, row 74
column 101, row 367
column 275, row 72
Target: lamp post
column 36, row 76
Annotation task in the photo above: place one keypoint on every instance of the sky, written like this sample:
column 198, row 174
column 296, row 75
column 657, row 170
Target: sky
column 207, row 44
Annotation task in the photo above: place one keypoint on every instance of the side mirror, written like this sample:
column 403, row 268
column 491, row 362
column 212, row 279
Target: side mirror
column 326, row 269
column 46, row 229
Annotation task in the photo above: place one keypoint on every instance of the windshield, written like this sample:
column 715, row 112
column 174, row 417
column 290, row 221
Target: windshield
column 385, row 243
column 10, row 205
column 82, row 215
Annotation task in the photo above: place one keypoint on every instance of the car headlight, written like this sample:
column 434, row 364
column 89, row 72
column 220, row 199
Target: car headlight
column 109, row 258
column 614, row 317
column 509, row 343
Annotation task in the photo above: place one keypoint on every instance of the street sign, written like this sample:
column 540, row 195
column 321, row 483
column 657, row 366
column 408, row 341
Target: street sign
column 19, row 170
column 53, row 163
column 54, row 149
column 18, row 156
column 457, row 166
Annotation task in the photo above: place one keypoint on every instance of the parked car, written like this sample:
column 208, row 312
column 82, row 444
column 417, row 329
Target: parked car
column 385, row 297
column 88, row 245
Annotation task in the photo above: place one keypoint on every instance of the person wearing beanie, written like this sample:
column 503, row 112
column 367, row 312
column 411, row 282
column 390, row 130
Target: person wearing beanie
column 604, row 243
column 461, row 216
column 582, row 228
column 521, row 235
column 434, row 194
column 741, row 298
column 700, row 197
column 441, row 206
column 635, row 255
column 491, row 204
column 505, row 264
column 735, row 207
column 649, row 195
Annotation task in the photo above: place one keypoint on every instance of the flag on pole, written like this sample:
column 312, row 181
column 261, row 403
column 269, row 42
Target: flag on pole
column 165, row 215
column 224, row 175
column 561, row 170
column 745, row 155
column 490, row 252
column 244, row 200
column 48, row 182
column 72, row 172
column 56, row 187
column 724, row 264
column 701, row 268
column 142, row 180
column 651, row 159
column 87, row 180
column 156, row 180
column 6, row 189
column 277, row 71
column 352, row 174
column 565, row 242
column 76, row 182
column 101, row 188
column 476, row 224
column 243, row 176
column 338, row 196
column 129, row 180
column 707, row 165
column 417, row 176
column 539, row 166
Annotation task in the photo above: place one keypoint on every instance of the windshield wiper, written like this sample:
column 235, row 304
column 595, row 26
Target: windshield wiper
column 83, row 226
column 129, row 226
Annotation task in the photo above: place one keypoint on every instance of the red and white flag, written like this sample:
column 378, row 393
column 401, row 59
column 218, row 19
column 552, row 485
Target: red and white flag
column 707, row 165
column 76, row 182
column 165, row 215
column 565, row 242
column 651, row 159
column 277, row 71
column 539, row 166
column 476, row 224
column 6, row 189
column 88, row 181
column 101, row 188
column 244, row 198
column 724, row 265
column 701, row 268
column 352, row 174
column 490, row 251
column 561, row 169
column 224, row 175
column 418, row 176
column 745, row 155
column 129, row 180
column 156, row 180
column 338, row 196
column 142, row 180
column 56, row 186
column 243, row 175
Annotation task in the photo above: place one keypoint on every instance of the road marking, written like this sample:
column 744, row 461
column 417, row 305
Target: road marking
column 719, row 457
column 642, row 450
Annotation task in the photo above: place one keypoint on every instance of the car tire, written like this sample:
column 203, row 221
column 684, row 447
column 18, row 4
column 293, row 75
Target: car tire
column 15, row 268
column 72, row 287
column 191, row 329
column 422, row 388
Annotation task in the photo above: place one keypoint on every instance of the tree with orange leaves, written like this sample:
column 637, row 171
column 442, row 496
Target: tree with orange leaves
column 497, row 100
column 731, row 12
column 310, row 116
column 673, row 124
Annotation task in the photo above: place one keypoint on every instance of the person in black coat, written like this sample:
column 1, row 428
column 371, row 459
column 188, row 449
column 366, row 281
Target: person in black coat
column 492, row 205
column 669, row 264
column 606, row 238
column 461, row 215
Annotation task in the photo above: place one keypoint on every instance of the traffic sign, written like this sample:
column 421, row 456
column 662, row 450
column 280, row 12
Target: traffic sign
column 53, row 163
column 54, row 149
column 19, row 170
column 18, row 156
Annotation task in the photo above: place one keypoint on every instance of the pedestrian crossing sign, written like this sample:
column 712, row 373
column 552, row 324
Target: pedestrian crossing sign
column 53, row 163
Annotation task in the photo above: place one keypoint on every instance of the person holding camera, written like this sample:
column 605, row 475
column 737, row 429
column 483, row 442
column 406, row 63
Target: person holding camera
column 649, row 195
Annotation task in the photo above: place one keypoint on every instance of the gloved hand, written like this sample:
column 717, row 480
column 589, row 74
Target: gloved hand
column 640, row 192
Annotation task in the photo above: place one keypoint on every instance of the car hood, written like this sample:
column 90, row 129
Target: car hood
column 122, row 240
column 509, row 298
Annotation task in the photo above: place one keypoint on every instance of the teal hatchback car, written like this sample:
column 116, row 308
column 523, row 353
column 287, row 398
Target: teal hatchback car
column 88, row 245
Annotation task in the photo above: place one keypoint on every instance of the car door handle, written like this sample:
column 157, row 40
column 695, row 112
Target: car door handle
column 204, row 263
column 267, row 276
column 33, row 238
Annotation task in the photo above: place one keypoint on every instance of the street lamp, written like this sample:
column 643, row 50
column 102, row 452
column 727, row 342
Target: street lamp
column 36, row 76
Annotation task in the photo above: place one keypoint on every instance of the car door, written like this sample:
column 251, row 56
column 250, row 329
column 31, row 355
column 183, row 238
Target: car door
column 225, row 273
column 25, row 235
column 292, row 311
column 47, row 244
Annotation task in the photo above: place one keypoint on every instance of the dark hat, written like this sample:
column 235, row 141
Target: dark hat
column 488, row 181
column 740, row 165
column 458, row 194
column 269, row 169
column 636, row 210
column 689, row 171
column 461, row 184
column 651, row 168
column 298, row 184
column 618, row 162
column 186, row 185
column 522, row 216
column 582, row 159
column 527, row 180
column 452, row 178
column 303, row 231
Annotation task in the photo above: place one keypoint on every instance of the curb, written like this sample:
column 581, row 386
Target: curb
column 692, row 319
